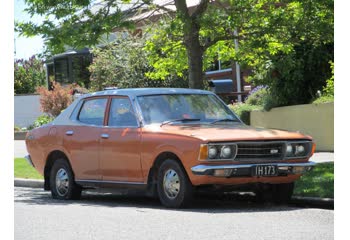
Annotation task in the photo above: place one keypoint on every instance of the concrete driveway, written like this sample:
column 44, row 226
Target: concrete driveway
column 21, row 151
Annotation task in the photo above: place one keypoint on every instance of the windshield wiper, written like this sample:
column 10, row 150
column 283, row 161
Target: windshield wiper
column 180, row 120
column 224, row 120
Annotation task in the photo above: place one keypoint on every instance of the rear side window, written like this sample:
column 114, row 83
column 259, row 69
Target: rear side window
column 93, row 111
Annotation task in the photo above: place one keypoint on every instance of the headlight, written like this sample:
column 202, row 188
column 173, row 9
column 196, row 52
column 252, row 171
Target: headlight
column 225, row 152
column 214, row 152
column 298, row 149
column 289, row 150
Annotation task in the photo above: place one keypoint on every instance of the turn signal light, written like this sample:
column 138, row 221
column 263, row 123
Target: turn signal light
column 203, row 152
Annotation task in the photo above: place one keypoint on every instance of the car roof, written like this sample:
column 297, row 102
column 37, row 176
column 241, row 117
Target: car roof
column 134, row 92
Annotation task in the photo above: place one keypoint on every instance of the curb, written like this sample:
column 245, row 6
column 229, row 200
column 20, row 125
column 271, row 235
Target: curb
column 31, row 183
column 327, row 203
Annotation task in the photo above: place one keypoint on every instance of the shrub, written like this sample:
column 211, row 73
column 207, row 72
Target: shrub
column 329, row 88
column 294, row 78
column 324, row 99
column 257, row 96
column 28, row 75
column 54, row 101
column 243, row 111
column 42, row 120
column 327, row 94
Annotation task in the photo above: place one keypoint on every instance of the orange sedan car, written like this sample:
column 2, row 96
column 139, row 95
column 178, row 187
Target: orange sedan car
column 166, row 142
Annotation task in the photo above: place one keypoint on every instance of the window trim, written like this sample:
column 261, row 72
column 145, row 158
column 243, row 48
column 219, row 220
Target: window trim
column 81, row 105
column 109, row 108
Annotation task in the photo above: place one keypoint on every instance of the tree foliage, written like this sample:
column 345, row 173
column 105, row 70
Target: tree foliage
column 28, row 75
column 287, row 44
column 124, row 64
column 293, row 61
column 76, row 23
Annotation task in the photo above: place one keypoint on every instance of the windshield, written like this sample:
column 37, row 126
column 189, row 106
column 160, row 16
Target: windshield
column 203, row 108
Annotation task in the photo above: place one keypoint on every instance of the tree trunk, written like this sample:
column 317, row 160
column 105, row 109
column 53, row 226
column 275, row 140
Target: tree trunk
column 194, row 49
column 195, row 61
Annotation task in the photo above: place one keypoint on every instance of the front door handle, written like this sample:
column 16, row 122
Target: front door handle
column 104, row 135
column 69, row 133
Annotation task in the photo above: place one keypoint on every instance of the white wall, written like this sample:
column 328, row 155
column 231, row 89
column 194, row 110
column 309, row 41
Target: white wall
column 26, row 109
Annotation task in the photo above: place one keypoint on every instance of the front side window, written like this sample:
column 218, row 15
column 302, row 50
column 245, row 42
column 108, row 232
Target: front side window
column 203, row 108
column 93, row 111
column 121, row 113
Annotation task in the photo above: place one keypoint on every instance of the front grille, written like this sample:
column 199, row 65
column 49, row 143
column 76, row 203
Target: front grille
column 259, row 151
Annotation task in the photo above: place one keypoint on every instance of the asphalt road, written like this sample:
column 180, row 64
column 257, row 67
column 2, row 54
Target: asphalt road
column 104, row 216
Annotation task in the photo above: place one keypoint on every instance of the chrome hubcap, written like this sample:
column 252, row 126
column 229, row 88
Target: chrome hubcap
column 171, row 183
column 62, row 182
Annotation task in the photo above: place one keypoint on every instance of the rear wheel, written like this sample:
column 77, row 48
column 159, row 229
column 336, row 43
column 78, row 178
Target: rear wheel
column 62, row 181
column 173, row 185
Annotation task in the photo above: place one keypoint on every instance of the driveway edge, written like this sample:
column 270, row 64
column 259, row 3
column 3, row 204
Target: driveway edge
column 31, row 183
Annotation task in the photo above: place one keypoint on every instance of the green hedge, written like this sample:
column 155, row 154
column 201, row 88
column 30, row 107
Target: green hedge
column 243, row 111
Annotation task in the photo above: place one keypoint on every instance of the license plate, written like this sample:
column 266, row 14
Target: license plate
column 265, row 170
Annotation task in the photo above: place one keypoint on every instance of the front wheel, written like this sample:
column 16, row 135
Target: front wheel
column 62, row 181
column 173, row 185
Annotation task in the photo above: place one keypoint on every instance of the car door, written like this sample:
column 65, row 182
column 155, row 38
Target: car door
column 120, row 143
column 82, row 140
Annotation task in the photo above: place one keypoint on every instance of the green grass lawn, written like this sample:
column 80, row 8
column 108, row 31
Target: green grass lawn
column 317, row 183
column 24, row 170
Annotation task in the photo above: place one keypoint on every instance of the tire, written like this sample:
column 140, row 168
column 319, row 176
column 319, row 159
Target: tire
column 173, row 186
column 62, row 181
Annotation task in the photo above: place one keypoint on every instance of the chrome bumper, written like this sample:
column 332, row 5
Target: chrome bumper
column 241, row 170
column 29, row 160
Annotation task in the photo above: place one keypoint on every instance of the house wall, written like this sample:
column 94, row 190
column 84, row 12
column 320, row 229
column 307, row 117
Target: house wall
column 316, row 120
column 26, row 109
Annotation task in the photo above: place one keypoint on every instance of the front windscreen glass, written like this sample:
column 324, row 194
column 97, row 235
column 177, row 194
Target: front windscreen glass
column 184, row 108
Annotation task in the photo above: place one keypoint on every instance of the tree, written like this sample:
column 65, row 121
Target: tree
column 287, row 44
column 28, row 75
column 192, row 36
column 124, row 64
column 294, row 60
column 81, row 23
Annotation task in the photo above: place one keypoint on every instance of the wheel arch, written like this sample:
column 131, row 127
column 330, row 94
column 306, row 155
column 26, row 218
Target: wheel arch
column 53, row 155
column 152, row 174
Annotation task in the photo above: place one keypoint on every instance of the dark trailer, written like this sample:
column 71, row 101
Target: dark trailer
column 69, row 67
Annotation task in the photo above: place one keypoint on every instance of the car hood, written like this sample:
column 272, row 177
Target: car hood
column 227, row 132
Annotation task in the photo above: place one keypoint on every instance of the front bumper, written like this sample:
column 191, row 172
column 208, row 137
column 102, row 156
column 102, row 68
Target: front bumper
column 246, row 170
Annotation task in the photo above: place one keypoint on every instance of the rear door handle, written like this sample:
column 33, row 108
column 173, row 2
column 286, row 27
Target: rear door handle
column 70, row 133
column 104, row 135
